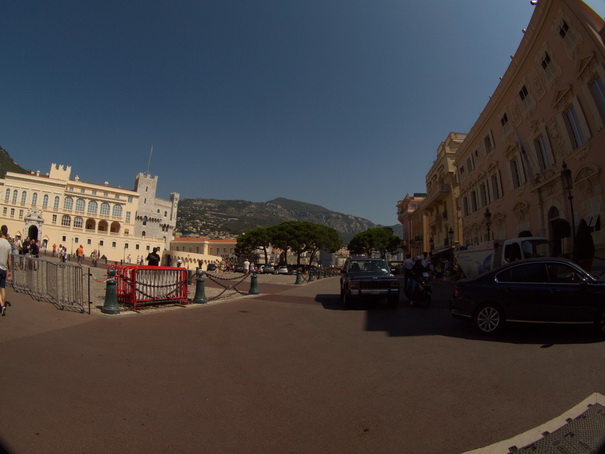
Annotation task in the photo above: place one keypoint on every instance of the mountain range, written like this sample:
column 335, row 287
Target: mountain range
column 228, row 218
column 217, row 219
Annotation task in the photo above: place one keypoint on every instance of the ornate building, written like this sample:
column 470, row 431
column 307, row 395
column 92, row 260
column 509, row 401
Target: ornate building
column 58, row 210
column 546, row 115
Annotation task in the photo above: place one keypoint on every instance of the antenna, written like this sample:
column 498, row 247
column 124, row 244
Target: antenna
column 149, row 163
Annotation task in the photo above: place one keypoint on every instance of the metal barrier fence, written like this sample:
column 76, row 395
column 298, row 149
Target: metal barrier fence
column 144, row 285
column 63, row 284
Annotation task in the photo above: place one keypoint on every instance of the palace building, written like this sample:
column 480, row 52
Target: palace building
column 58, row 210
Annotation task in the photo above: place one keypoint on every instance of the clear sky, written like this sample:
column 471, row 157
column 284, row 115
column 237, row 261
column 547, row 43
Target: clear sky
column 340, row 103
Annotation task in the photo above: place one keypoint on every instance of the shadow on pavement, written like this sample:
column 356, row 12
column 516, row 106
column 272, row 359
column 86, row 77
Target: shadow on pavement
column 406, row 320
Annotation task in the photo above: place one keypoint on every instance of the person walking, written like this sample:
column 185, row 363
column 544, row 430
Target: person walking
column 5, row 267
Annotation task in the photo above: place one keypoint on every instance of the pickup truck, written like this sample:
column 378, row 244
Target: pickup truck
column 475, row 260
column 368, row 278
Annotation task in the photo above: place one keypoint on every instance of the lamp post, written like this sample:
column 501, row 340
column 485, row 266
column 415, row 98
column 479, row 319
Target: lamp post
column 450, row 235
column 488, row 221
column 568, row 185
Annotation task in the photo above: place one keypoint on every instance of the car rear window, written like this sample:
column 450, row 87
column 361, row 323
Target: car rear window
column 369, row 266
column 531, row 272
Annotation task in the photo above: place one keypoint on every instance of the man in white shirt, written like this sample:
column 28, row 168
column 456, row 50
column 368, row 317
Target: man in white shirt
column 5, row 266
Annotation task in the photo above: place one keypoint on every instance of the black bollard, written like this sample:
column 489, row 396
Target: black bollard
column 200, row 288
column 110, row 305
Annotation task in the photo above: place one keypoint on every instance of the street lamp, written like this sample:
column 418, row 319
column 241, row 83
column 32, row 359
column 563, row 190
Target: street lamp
column 488, row 221
column 450, row 235
column 568, row 185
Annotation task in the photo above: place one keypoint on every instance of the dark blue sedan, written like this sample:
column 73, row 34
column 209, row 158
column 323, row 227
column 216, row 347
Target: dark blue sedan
column 541, row 290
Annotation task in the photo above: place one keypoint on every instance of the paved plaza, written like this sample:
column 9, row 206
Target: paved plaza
column 287, row 371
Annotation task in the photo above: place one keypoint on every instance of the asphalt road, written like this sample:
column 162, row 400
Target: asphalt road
column 287, row 372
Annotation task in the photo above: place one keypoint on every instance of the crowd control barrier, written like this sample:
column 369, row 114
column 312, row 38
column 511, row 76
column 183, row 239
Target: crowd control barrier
column 146, row 285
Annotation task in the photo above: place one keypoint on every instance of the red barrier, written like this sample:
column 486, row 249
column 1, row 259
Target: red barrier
column 146, row 285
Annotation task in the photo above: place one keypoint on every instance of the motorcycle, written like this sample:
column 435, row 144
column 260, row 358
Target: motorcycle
column 419, row 291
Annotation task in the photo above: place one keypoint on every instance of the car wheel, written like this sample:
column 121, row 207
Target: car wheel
column 489, row 319
column 427, row 300
column 600, row 321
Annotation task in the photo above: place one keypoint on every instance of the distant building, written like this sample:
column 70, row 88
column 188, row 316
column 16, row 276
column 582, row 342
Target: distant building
column 440, row 215
column 412, row 223
column 58, row 210
column 197, row 252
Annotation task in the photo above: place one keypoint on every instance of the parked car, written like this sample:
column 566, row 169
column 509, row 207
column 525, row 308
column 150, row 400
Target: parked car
column 211, row 267
column 364, row 278
column 283, row 270
column 268, row 269
column 540, row 290
column 238, row 268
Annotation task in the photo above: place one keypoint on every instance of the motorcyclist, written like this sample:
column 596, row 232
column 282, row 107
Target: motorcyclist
column 416, row 273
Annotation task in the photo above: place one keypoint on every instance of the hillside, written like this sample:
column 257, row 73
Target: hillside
column 228, row 218
column 8, row 165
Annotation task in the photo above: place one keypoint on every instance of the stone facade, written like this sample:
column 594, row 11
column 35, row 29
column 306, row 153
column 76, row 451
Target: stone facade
column 549, row 109
column 411, row 219
column 58, row 210
column 547, row 114
column 194, row 252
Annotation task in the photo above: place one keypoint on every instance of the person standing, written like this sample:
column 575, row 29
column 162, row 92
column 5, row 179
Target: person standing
column 5, row 267
column 80, row 254
column 246, row 266
column 153, row 259
column 408, row 263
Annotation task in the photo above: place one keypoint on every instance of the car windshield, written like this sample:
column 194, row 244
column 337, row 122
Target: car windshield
column 369, row 266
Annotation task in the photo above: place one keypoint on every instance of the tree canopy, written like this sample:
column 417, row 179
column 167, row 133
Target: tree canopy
column 379, row 239
column 296, row 236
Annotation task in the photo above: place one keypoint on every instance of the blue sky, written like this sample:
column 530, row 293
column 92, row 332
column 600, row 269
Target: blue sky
column 337, row 103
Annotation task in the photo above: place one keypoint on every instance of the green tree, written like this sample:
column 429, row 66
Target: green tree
column 258, row 238
column 379, row 239
column 322, row 237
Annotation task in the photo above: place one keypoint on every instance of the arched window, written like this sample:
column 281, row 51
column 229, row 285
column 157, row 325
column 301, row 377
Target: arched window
column 15, row 195
column 92, row 207
column 80, row 205
column 144, row 221
column 45, row 201
column 56, row 203
column 105, row 208
column 34, row 198
column 66, row 220
column 23, row 196
column 117, row 211
column 8, row 195
column 78, row 222
column 68, row 203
